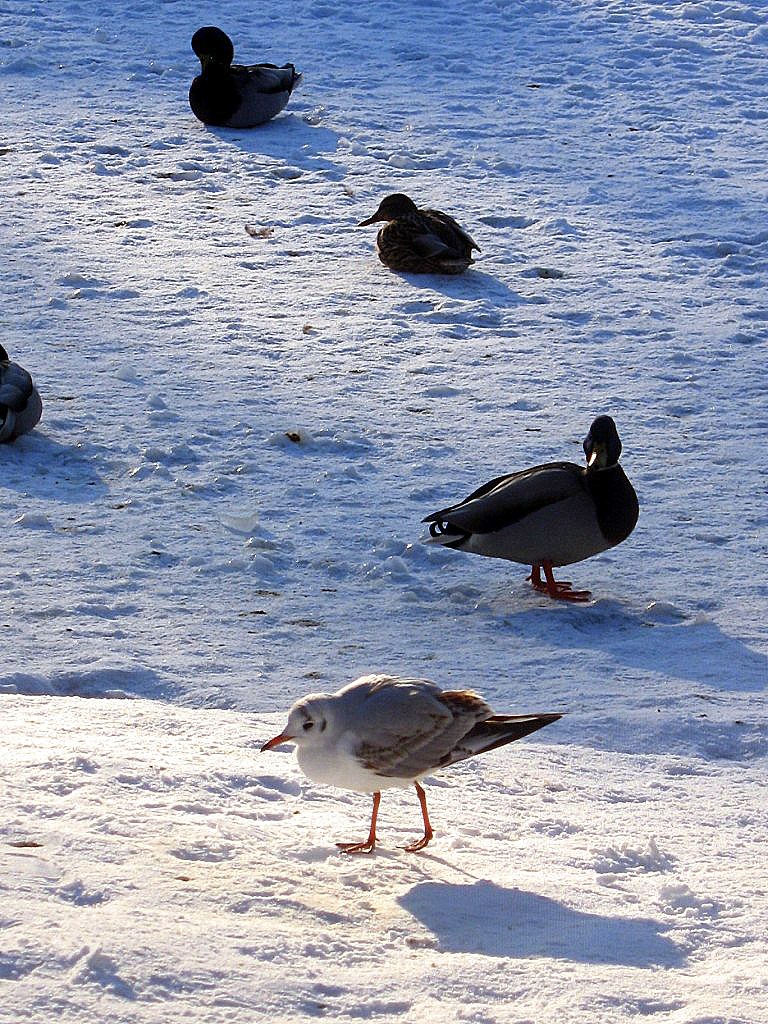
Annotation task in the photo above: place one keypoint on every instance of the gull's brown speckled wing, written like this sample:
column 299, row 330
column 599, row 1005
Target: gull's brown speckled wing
column 411, row 729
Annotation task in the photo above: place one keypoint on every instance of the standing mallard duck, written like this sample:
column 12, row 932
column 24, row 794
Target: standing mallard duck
column 231, row 95
column 420, row 241
column 549, row 515
column 20, row 403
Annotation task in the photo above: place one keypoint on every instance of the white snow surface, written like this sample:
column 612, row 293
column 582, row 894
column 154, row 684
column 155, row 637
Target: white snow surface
column 168, row 542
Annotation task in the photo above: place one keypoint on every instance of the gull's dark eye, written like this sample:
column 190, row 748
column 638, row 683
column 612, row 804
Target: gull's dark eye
column 307, row 726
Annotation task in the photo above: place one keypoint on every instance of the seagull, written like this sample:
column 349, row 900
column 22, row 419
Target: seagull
column 381, row 732
column 548, row 515
column 20, row 404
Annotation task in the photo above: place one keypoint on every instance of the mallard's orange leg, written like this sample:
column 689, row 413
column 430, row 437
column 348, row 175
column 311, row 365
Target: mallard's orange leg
column 419, row 844
column 558, row 590
column 367, row 846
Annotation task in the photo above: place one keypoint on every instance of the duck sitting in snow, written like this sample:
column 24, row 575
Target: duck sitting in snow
column 549, row 515
column 420, row 241
column 231, row 95
column 20, row 403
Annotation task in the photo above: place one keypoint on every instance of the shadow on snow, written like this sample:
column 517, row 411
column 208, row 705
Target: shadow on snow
column 37, row 465
column 670, row 643
column 287, row 138
column 486, row 918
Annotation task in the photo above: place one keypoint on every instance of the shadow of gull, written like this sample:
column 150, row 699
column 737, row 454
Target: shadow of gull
column 488, row 919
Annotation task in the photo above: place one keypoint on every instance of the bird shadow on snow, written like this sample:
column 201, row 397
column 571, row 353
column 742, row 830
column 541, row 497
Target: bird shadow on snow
column 472, row 284
column 662, row 641
column 102, row 682
column 289, row 138
column 40, row 466
column 486, row 918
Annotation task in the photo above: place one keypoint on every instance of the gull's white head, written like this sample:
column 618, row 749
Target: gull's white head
column 308, row 722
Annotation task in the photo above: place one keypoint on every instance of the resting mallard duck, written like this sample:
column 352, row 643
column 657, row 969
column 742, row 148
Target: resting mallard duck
column 20, row 403
column 420, row 241
column 231, row 95
column 549, row 515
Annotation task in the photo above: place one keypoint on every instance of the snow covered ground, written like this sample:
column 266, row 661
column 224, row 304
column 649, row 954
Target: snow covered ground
column 165, row 540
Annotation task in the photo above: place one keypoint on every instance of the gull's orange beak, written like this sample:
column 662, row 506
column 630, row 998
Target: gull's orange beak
column 284, row 737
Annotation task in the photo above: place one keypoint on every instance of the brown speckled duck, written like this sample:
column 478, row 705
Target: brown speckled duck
column 20, row 403
column 420, row 241
column 232, row 95
column 549, row 515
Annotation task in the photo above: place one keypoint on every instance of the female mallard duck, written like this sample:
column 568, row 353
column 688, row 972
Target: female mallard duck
column 549, row 515
column 20, row 404
column 420, row 241
column 231, row 95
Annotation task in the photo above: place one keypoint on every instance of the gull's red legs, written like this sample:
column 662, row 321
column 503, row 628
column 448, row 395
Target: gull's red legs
column 419, row 844
column 367, row 846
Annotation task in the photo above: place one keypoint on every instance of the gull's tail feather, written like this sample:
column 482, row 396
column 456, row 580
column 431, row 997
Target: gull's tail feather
column 502, row 729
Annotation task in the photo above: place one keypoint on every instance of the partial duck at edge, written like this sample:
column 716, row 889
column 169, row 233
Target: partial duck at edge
column 20, row 404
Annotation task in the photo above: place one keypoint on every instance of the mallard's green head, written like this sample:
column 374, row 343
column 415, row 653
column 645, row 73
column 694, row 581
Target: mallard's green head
column 602, row 445
column 213, row 46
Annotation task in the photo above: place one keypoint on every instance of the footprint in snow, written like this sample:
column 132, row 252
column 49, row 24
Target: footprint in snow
column 213, row 854
column 507, row 222
column 545, row 273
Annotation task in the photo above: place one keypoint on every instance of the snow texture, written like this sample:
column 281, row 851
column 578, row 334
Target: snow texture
column 246, row 416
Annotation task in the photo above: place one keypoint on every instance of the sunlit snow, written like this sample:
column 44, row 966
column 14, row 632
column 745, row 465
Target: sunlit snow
column 246, row 417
